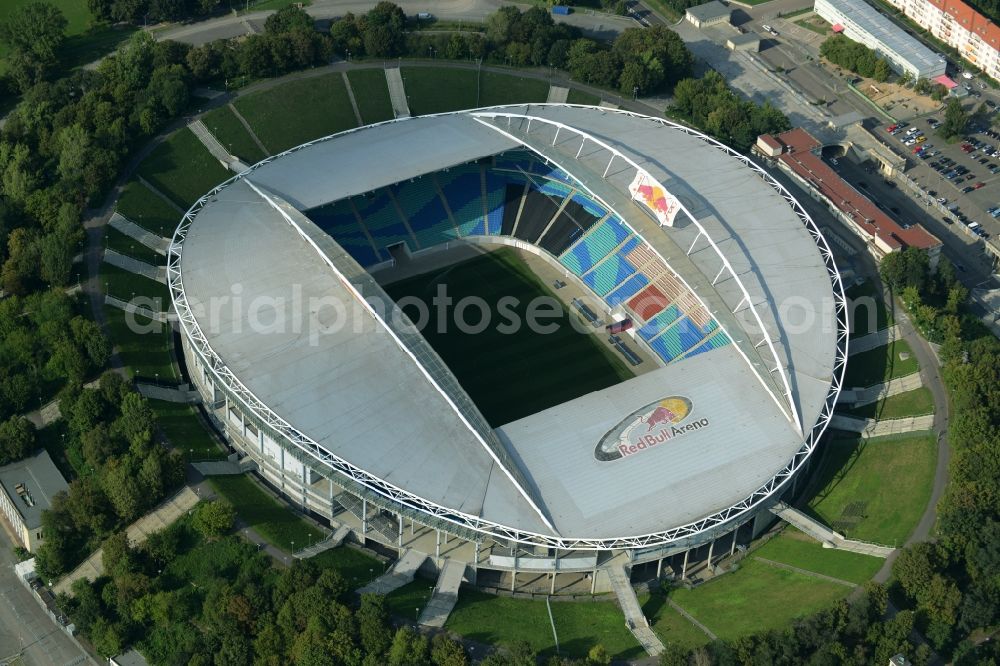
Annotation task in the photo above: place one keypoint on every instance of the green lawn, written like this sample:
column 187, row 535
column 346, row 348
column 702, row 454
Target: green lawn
column 756, row 598
column 184, row 430
column 491, row 619
column 814, row 23
column 231, row 133
column 432, row 90
column 876, row 489
column 509, row 89
column 122, row 244
column 798, row 550
column 372, row 94
column 147, row 209
column 147, row 353
column 669, row 625
column 917, row 402
column 123, row 284
column 182, row 168
column 298, row 111
column 494, row 366
column 868, row 309
column 880, row 365
column 580, row 97
column 356, row 567
column 404, row 602
column 277, row 523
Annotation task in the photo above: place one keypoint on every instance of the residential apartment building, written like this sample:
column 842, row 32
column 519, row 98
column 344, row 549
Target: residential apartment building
column 959, row 25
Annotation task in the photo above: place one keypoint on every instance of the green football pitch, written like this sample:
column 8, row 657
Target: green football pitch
column 509, row 371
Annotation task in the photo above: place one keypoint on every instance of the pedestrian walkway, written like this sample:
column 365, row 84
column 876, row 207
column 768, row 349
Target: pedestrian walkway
column 629, row 603
column 805, row 524
column 875, row 428
column 330, row 542
column 830, row 539
column 557, row 95
column 182, row 393
column 231, row 466
column 397, row 92
column 866, row 396
column 148, row 313
column 156, row 243
column 445, row 595
column 157, row 519
column 157, row 273
column 351, row 98
column 401, row 573
column 873, row 340
column 213, row 145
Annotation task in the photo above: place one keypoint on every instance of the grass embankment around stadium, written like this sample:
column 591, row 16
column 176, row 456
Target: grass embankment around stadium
column 371, row 92
column 258, row 510
column 298, row 111
column 917, row 402
column 437, row 89
column 230, row 132
column 487, row 618
column 868, row 309
column 182, row 168
column 880, row 365
column 509, row 375
column 875, row 489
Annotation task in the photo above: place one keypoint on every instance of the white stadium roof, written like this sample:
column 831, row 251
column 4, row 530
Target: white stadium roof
column 382, row 408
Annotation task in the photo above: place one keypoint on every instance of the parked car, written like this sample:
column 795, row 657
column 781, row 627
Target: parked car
column 947, row 220
column 966, row 190
column 979, row 186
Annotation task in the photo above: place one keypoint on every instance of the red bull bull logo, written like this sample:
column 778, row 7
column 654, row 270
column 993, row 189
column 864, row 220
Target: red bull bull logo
column 655, row 197
column 648, row 427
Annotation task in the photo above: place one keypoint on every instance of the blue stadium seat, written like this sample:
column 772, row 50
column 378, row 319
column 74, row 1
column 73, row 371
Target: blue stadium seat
column 424, row 211
column 382, row 221
column 718, row 340
column 495, row 191
column 627, row 290
column 589, row 205
column 605, row 237
column 665, row 318
column 339, row 221
column 463, row 188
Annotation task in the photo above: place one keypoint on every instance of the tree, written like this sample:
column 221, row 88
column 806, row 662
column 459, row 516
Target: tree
column 17, row 439
column 34, row 33
column 117, row 555
column 408, row 648
column 382, row 30
column 907, row 268
column 288, row 19
column 137, row 420
column 214, row 518
column 882, row 70
column 955, row 119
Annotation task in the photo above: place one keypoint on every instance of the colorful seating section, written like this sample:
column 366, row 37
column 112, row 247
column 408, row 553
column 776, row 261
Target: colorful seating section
column 519, row 195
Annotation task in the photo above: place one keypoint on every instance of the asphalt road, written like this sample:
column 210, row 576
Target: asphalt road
column 25, row 626
column 596, row 24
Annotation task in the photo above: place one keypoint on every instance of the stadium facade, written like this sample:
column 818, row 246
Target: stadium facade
column 347, row 411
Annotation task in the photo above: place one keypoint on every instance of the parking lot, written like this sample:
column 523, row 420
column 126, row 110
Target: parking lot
column 963, row 249
column 960, row 181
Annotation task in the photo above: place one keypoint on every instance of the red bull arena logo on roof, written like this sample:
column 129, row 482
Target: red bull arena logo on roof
column 647, row 428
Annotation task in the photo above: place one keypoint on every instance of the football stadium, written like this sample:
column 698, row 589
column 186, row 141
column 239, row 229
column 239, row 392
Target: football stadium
column 695, row 352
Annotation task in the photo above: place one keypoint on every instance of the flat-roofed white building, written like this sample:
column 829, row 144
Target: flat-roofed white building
column 26, row 489
column 861, row 22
